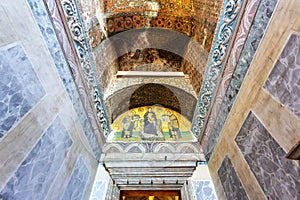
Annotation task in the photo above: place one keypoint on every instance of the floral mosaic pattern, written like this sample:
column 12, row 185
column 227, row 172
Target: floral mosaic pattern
column 77, row 184
column 284, row 80
column 204, row 190
column 277, row 175
column 230, row 181
column 20, row 88
column 34, row 177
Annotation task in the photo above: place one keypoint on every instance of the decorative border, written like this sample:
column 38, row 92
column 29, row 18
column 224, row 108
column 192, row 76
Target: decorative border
column 220, row 49
column 238, row 44
column 153, row 147
column 80, row 42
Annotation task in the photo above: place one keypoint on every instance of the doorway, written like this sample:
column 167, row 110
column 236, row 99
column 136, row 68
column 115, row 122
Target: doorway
column 150, row 195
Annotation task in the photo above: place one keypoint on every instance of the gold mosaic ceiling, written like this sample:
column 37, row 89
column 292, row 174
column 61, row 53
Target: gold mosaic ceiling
column 170, row 7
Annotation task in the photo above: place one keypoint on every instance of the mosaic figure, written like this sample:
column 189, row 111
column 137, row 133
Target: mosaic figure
column 173, row 125
column 128, row 125
column 150, row 122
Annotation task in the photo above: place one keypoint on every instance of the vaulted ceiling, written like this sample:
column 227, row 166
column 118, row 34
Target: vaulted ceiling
column 163, row 36
column 116, row 39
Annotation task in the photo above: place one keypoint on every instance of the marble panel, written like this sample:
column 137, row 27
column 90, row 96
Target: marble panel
column 47, row 30
column 230, row 181
column 33, row 178
column 278, row 176
column 99, row 190
column 77, row 184
column 255, row 35
column 284, row 82
column 20, row 88
column 204, row 190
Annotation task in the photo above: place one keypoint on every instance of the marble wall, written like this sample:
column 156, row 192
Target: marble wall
column 202, row 185
column 44, row 125
column 258, row 129
column 231, row 183
column 277, row 175
column 36, row 173
column 20, row 88
column 204, row 190
column 77, row 184
column 284, row 83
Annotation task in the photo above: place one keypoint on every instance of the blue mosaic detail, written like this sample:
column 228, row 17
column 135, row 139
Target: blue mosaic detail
column 230, row 181
column 80, row 42
column 45, row 25
column 34, row 177
column 255, row 35
column 229, row 16
column 204, row 190
column 20, row 88
column 77, row 184
column 277, row 175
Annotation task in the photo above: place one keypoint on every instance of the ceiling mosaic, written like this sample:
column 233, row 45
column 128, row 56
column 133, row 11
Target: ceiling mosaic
column 140, row 59
column 150, row 59
column 116, row 24
column 149, row 7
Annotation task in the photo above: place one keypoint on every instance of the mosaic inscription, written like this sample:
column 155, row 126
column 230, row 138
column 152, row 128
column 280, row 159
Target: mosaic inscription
column 277, row 175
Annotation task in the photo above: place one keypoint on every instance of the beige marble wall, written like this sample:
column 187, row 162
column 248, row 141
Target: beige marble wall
column 278, row 121
column 18, row 28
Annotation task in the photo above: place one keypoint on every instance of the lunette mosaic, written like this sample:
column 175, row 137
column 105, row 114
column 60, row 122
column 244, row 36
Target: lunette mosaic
column 20, row 88
column 277, row 175
column 34, row 177
column 47, row 30
column 256, row 33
